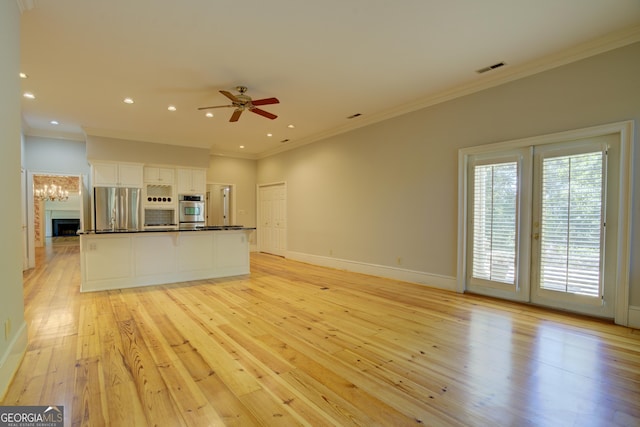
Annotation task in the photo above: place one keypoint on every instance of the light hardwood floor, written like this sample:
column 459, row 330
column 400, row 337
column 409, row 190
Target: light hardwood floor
column 295, row 344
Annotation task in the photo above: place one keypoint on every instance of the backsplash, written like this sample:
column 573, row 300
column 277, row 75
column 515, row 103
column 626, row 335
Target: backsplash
column 159, row 217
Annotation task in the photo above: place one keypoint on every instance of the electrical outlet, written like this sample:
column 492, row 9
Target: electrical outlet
column 7, row 329
column 330, row 252
column 399, row 260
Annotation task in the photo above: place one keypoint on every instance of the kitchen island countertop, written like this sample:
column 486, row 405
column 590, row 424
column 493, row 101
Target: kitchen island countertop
column 167, row 229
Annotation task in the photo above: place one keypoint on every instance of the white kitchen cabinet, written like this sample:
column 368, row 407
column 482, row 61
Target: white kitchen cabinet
column 107, row 259
column 126, row 260
column 158, row 175
column 192, row 181
column 109, row 174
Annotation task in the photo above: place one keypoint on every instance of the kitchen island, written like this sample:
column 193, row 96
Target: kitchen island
column 117, row 259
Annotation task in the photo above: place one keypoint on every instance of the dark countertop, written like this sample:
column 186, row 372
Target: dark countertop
column 169, row 229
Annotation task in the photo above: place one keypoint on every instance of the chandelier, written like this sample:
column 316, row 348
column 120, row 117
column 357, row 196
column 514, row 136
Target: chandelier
column 52, row 193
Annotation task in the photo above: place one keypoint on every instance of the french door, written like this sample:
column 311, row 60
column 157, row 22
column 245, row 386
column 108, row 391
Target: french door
column 574, row 226
column 499, row 186
column 541, row 224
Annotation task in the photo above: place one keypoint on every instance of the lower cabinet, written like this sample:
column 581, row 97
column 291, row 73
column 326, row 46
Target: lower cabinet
column 117, row 261
column 197, row 252
column 108, row 258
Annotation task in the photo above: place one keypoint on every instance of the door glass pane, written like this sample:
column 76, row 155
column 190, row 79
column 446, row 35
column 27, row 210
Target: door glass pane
column 571, row 224
column 495, row 222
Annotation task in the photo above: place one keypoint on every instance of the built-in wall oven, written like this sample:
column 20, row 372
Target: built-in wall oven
column 191, row 210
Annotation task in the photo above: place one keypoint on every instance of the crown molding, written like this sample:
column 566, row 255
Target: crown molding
column 594, row 47
column 71, row 136
column 232, row 154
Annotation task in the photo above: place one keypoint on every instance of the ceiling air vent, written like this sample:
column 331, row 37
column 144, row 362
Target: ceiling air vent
column 491, row 67
column 353, row 116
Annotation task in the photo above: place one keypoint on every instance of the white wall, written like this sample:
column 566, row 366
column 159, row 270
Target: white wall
column 386, row 194
column 11, row 298
column 241, row 173
column 120, row 150
column 58, row 156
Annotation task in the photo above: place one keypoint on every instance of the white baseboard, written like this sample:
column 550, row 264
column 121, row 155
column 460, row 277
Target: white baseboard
column 11, row 359
column 433, row 280
column 634, row 317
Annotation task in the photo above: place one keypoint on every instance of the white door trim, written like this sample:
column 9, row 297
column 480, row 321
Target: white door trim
column 625, row 130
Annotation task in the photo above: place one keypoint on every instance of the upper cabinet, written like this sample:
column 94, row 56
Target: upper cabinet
column 157, row 175
column 192, row 181
column 112, row 174
column 108, row 174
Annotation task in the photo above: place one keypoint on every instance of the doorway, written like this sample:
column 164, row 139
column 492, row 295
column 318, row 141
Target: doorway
column 221, row 204
column 272, row 218
column 47, row 210
column 40, row 213
column 546, row 221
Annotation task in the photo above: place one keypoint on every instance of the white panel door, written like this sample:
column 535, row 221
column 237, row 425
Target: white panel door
column 280, row 219
column 23, row 215
column 272, row 227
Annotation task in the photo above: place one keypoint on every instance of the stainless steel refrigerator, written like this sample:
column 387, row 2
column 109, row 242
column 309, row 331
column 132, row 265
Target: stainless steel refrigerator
column 116, row 208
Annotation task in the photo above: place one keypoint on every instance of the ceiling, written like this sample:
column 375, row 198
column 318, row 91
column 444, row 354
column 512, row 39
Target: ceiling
column 324, row 60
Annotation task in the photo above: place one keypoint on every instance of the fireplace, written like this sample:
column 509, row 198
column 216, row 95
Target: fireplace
column 64, row 227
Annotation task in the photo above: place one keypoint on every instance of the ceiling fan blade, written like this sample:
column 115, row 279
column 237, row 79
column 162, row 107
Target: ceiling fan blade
column 236, row 115
column 229, row 95
column 265, row 101
column 263, row 113
column 215, row 106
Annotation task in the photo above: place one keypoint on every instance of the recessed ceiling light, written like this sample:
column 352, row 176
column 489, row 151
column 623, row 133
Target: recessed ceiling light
column 29, row 95
column 209, row 114
column 171, row 108
column 23, row 75
column 290, row 126
column 269, row 134
column 54, row 122
column 128, row 101
column 242, row 146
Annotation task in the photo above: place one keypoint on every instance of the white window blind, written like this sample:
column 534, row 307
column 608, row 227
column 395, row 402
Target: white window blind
column 495, row 201
column 571, row 228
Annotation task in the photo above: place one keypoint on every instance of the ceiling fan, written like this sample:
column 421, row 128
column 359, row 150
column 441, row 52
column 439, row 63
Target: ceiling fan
column 244, row 102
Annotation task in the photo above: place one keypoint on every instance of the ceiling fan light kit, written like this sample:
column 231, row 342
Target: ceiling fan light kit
column 242, row 102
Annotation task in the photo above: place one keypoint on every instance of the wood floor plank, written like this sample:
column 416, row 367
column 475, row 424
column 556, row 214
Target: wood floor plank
column 298, row 344
column 185, row 393
column 89, row 405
